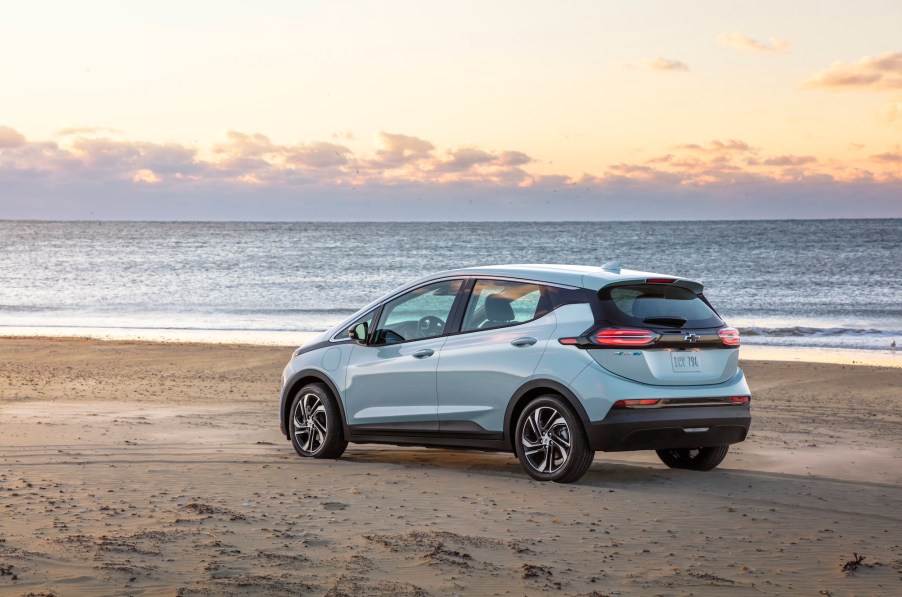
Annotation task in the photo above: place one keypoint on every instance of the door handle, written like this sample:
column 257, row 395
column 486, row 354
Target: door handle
column 423, row 353
column 520, row 342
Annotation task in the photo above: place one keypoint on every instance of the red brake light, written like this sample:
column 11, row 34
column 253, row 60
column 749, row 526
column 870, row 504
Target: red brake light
column 634, row 403
column 660, row 281
column 739, row 399
column 729, row 336
column 624, row 337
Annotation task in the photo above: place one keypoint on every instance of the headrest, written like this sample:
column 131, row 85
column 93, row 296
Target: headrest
column 498, row 308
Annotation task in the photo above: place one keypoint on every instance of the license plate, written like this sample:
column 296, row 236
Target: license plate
column 686, row 361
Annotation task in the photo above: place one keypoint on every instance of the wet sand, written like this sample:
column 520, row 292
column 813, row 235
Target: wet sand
column 155, row 469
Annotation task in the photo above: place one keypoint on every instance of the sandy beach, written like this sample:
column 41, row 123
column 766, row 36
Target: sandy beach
column 135, row 468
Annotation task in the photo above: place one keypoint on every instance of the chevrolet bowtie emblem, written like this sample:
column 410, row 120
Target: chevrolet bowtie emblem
column 691, row 337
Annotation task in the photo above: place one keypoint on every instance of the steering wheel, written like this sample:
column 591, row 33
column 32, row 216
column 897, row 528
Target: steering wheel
column 430, row 326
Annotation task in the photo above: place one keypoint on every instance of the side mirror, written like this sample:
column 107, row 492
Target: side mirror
column 359, row 333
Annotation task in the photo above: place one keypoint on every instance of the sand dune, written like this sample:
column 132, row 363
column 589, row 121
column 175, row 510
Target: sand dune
column 151, row 469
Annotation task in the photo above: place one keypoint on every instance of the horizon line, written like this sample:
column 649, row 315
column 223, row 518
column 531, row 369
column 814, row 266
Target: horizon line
column 366, row 221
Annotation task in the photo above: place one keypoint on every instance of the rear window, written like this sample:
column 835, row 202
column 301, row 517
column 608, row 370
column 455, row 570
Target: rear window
column 657, row 305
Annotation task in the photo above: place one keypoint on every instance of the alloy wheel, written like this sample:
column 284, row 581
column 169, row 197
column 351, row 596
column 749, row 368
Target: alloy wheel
column 310, row 423
column 546, row 440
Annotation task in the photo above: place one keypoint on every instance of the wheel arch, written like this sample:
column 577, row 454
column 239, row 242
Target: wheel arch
column 533, row 389
column 298, row 380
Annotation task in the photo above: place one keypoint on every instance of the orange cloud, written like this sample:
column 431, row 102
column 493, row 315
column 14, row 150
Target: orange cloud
column 146, row 175
column 790, row 160
column 745, row 43
column 317, row 155
column 664, row 65
column 513, row 158
column 875, row 73
column 253, row 159
column 893, row 157
column 718, row 146
column 87, row 130
column 464, row 159
column 398, row 150
column 10, row 137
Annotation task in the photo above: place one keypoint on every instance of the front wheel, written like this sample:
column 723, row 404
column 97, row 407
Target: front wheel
column 696, row 459
column 315, row 423
column 550, row 441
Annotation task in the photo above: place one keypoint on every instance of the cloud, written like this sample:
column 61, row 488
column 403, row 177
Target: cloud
column 465, row 159
column 243, row 145
column 255, row 159
column 893, row 157
column 124, row 158
column 242, row 154
column 874, row 73
column 87, row 130
column 407, row 177
column 318, row 155
column 10, row 137
column 664, row 65
column 398, row 150
column 718, row 146
column 745, row 43
column 790, row 160
column 513, row 158
column 146, row 175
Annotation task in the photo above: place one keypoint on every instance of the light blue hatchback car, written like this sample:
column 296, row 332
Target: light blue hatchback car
column 552, row 362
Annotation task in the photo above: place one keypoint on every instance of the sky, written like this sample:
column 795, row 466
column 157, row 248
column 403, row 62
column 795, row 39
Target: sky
column 503, row 110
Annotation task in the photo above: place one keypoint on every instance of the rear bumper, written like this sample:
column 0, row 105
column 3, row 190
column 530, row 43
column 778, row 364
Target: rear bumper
column 674, row 427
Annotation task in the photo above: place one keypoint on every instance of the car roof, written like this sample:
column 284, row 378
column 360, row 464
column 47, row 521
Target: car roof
column 582, row 276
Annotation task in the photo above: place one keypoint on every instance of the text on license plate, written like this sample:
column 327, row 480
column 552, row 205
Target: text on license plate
column 686, row 361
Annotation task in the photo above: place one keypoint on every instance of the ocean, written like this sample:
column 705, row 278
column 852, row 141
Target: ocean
column 801, row 283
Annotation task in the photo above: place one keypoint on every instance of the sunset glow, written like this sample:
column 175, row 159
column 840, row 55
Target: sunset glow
column 403, row 108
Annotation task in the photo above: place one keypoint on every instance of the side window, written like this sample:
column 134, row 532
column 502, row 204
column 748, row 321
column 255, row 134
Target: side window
column 496, row 303
column 368, row 318
column 421, row 313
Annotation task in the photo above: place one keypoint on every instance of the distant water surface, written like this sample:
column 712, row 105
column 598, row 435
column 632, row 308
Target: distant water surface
column 828, row 283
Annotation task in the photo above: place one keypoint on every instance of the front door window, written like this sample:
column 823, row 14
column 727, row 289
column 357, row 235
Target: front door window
column 421, row 313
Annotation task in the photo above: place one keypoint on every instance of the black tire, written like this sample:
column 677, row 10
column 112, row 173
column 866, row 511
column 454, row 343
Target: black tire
column 315, row 425
column 551, row 442
column 694, row 459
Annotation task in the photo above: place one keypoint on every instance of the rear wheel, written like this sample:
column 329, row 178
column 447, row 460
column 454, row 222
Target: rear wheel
column 550, row 441
column 315, row 423
column 696, row 459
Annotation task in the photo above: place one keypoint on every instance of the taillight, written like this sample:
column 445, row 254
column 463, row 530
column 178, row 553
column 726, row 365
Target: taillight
column 739, row 399
column 624, row 337
column 729, row 336
column 635, row 403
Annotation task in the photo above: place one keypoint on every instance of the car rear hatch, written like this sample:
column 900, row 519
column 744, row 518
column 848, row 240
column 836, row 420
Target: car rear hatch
column 661, row 331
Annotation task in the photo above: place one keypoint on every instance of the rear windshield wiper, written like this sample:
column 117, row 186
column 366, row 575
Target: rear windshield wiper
column 676, row 322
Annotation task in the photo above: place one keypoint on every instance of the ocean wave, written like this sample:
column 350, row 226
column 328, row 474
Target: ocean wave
column 813, row 332
column 290, row 311
column 26, row 308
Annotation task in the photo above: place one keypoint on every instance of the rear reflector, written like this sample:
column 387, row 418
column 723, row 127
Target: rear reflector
column 624, row 337
column 729, row 336
column 660, row 281
column 634, row 403
column 739, row 399
column 569, row 341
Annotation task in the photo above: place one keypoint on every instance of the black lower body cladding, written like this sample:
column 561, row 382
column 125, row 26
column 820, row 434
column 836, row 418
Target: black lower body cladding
column 670, row 427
